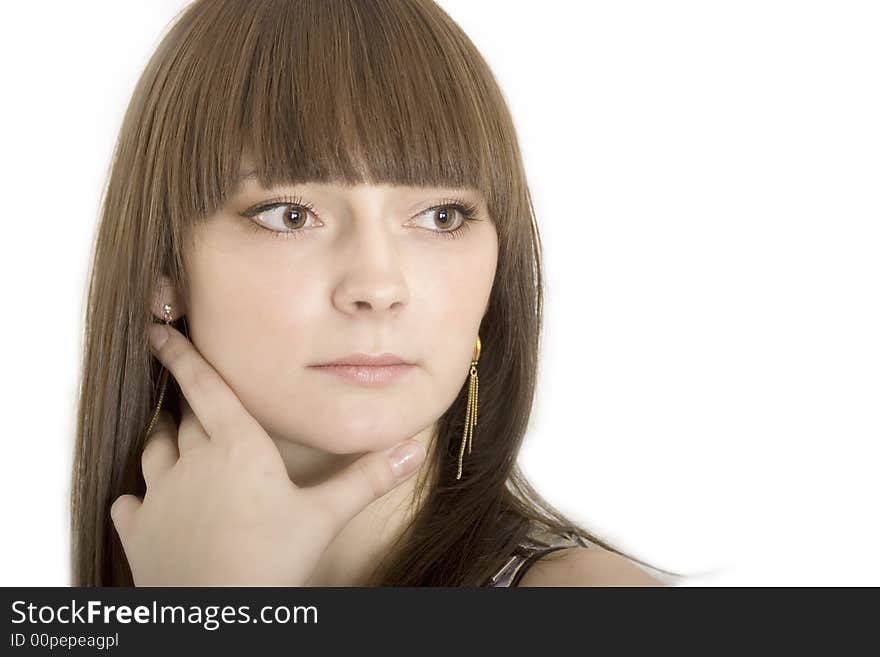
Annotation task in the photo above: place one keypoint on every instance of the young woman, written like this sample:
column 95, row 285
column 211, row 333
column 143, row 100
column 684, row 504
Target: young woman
column 321, row 209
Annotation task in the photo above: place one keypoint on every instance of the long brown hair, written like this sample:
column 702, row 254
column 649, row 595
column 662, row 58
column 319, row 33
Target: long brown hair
column 345, row 91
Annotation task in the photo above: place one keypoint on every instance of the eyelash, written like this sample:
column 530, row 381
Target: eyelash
column 467, row 210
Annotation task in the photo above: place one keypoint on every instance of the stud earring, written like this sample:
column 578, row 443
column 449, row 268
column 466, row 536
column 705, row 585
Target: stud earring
column 164, row 378
column 470, row 418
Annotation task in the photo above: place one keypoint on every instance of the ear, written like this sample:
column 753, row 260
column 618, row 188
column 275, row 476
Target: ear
column 166, row 292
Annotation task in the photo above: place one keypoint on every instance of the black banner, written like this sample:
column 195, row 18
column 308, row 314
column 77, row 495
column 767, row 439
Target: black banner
column 134, row 621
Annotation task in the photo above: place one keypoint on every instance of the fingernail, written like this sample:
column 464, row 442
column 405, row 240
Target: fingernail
column 407, row 458
column 158, row 335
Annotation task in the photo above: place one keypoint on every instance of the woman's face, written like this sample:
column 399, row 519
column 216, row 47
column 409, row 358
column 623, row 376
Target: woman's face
column 347, row 270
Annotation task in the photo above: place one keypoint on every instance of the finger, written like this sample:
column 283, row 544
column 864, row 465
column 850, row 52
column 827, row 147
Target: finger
column 160, row 450
column 122, row 513
column 216, row 406
column 368, row 478
column 190, row 433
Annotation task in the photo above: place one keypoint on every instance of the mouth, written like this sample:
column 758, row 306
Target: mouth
column 370, row 375
column 363, row 359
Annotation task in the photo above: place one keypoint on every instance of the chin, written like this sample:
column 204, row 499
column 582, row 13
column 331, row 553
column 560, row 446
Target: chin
column 346, row 437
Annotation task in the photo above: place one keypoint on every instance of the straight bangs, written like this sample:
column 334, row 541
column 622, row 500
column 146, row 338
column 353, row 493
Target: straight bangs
column 377, row 92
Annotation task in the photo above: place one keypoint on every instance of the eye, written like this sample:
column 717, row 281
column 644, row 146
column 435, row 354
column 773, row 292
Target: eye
column 284, row 217
column 444, row 215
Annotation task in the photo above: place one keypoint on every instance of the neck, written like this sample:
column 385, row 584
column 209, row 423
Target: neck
column 352, row 555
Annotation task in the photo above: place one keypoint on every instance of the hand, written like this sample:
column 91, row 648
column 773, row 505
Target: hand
column 220, row 508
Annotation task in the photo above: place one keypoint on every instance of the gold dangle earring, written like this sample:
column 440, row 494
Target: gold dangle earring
column 470, row 418
column 164, row 378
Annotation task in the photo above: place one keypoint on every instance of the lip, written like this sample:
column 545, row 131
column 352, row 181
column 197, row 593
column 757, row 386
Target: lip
column 369, row 360
column 369, row 375
column 368, row 369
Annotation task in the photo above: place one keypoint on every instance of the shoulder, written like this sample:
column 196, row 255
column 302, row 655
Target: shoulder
column 580, row 566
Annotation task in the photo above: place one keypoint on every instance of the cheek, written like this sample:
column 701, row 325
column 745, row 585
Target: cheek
column 248, row 304
column 251, row 318
column 448, row 304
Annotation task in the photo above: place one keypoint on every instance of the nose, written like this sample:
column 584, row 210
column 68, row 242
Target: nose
column 372, row 279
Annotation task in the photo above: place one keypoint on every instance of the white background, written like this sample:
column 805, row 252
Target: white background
column 706, row 181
